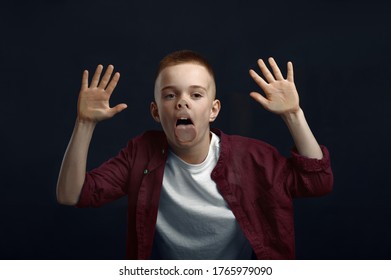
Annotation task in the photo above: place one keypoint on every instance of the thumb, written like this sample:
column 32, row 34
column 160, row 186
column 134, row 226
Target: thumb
column 260, row 99
column 117, row 109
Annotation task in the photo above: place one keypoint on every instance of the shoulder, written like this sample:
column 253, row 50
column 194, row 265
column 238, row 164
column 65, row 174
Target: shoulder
column 148, row 141
column 150, row 135
column 239, row 143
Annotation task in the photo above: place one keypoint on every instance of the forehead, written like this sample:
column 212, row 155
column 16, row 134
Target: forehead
column 184, row 75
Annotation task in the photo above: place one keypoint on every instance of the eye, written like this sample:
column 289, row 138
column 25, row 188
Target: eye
column 169, row 95
column 196, row 95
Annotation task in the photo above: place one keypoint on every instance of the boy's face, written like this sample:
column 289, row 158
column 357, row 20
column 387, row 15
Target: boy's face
column 185, row 104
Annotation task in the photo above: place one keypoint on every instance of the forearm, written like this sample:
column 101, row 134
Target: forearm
column 305, row 141
column 73, row 168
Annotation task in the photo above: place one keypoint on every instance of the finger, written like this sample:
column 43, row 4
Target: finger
column 276, row 70
column 265, row 71
column 84, row 80
column 258, row 79
column 260, row 99
column 117, row 109
column 113, row 83
column 290, row 72
column 95, row 78
column 106, row 77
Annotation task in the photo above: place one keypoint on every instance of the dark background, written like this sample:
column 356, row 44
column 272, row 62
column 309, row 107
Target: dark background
column 341, row 54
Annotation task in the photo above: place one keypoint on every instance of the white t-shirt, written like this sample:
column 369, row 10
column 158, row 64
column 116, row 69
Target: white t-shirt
column 194, row 221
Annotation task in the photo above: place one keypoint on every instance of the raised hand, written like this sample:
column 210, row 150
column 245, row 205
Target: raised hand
column 93, row 104
column 281, row 96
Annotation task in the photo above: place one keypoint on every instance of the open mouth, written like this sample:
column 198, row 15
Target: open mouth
column 184, row 121
column 185, row 131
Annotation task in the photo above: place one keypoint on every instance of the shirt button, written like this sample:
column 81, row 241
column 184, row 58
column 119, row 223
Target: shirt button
column 146, row 171
column 163, row 151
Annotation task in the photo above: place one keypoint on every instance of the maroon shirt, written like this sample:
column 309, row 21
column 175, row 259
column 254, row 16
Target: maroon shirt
column 256, row 181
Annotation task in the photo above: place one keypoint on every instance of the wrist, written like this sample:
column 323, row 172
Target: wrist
column 293, row 116
column 85, row 124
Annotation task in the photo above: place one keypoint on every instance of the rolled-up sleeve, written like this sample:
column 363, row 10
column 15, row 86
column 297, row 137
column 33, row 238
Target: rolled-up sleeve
column 309, row 177
column 107, row 182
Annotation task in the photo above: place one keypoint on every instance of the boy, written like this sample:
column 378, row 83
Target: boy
column 193, row 192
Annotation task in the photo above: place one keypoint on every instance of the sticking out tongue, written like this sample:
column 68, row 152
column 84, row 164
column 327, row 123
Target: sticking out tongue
column 185, row 132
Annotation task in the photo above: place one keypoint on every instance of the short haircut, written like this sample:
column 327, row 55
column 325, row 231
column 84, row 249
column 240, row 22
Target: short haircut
column 184, row 56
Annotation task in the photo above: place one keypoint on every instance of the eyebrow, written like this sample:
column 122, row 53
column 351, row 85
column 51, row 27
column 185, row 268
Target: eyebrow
column 191, row 87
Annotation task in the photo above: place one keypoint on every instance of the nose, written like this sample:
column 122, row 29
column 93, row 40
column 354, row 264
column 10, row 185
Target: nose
column 182, row 103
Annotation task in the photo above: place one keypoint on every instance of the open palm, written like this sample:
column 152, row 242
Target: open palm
column 93, row 103
column 280, row 94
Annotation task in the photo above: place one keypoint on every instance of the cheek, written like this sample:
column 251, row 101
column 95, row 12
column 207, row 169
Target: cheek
column 208, row 111
column 164, row 118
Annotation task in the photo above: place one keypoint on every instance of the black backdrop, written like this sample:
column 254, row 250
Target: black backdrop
column 341, row 54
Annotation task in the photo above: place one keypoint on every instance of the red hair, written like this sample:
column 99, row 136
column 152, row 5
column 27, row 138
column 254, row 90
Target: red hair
column 184, row 56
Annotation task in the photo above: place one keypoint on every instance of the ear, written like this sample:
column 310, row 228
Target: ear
column 214, row 112
column 154, row 111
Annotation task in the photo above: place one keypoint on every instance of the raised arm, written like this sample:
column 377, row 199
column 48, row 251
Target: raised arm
column 281, row 97
column 93, row 106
